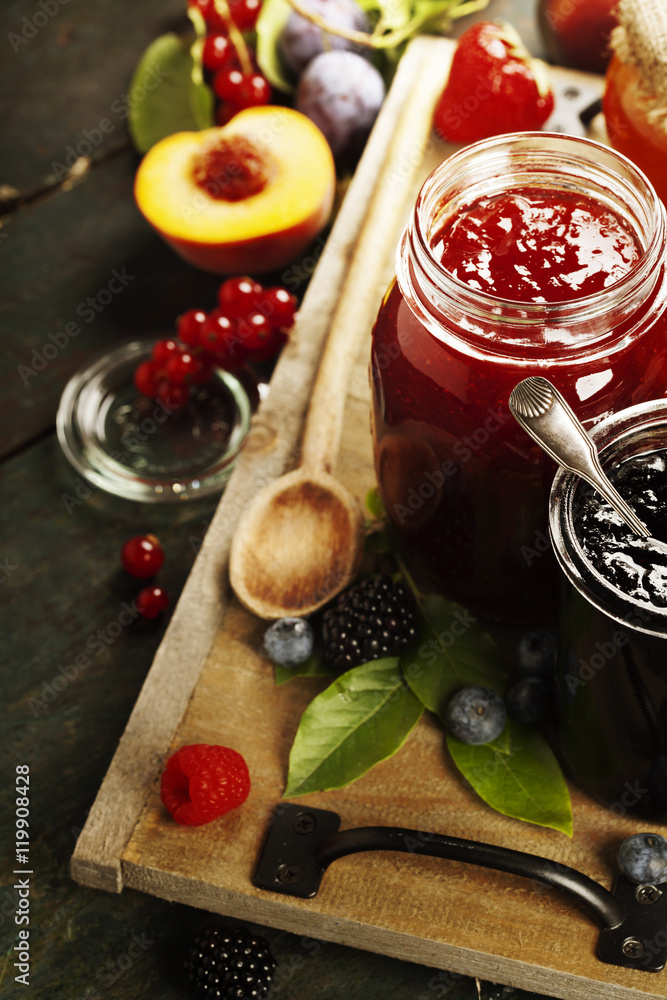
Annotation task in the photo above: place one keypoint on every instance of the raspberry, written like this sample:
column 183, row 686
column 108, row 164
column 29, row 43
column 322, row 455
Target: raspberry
column 228, row 965
column 369, row 621
column 201, row 782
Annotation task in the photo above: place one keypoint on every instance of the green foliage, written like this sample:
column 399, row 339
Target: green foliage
column 518, row 775
column 172, row 100
column 364, row 717
column 270, row 23
column 450, row 651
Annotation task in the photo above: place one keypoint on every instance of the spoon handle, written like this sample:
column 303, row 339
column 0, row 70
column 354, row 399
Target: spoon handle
column 367, row 281
column 538, row 406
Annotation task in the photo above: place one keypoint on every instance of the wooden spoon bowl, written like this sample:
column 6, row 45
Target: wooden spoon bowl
column 297, row 545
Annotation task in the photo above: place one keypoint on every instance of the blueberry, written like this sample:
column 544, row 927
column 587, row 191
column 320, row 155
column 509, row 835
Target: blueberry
column 301, row 40
column 529, row 700
column 643, row 858
column 289, row 641
column 342, row 93
column 536, row 654
column 476, row 715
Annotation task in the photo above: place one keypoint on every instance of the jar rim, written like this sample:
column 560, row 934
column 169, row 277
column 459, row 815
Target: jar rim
column 617, row 436
column 421, row 275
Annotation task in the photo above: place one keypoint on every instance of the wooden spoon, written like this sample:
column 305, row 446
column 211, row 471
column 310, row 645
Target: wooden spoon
column 299, row 542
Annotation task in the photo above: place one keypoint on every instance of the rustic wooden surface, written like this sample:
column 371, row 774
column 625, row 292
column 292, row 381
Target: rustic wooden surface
column 436, row 913
column 59, row 555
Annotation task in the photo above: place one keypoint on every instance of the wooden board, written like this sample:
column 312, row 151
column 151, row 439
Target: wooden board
column 209, row 684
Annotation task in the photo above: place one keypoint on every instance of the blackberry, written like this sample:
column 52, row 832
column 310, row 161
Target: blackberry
column 369, row 621
column 230, row 965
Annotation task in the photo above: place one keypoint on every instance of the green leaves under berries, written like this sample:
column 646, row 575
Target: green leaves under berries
column 364, row 717
column 451, row 650
column 518, row 775
column 165, row 98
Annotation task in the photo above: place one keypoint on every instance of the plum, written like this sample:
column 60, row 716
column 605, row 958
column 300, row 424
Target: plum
column 301, row 40
column 341, row 92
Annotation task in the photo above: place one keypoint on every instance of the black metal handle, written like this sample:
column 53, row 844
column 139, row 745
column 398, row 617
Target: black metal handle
column 303, row 842
column 605, row 906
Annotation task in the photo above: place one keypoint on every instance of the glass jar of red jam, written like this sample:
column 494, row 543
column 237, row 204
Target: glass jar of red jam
column 612, row 657
column 528, row 253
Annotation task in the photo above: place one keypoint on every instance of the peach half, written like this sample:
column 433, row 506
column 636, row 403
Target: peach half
column 246, row 197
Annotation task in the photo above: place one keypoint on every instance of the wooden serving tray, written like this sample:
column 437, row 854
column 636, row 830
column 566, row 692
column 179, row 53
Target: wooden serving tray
column 209, row 684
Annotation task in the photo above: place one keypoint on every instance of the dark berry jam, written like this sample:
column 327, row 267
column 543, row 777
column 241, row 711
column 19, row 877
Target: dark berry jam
column 528, row 246
column 612, row 725
column 635, row 566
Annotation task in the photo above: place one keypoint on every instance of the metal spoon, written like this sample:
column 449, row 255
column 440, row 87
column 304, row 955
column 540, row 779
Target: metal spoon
column 538, row 406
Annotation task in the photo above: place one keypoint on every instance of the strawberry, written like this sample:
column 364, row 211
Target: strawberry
column 494, row 86
column 201, row 782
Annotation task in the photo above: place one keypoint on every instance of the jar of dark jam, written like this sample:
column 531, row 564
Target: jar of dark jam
column 528, row 253
column 612, row 673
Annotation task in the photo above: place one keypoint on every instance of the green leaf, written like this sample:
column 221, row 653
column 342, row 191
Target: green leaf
column 451, row 650
column 517, row 775
column 270, row 23
column 364, row 717
column 374, row 504
column 165, row 97
column 314, row 666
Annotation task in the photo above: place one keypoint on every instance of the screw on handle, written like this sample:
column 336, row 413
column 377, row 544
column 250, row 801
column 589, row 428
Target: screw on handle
column 542, row 411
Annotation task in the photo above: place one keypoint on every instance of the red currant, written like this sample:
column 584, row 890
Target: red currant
column 209, row 13
column 164, row 349
column 152, row 601
column 239, row 296
column 142, row 556
column 181, row 368
column 189, row 326
column 146, row 378
column 173, row 395
column 217, row 53
column 254, row 91
column 245, row 13
column 255, row 331
column 227, row 84
column 224, row 112
column 279, row 306
column 206, row 369
column 218, row 333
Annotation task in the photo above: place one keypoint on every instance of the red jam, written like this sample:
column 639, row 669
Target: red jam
column 530, row 246
column 466, row 489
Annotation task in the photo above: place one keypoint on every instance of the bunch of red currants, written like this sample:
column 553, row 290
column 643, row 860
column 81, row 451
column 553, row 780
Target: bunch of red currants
column 251, row 323
column 228, row 61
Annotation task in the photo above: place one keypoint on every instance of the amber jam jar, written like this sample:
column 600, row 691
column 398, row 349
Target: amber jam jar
column 466, row 489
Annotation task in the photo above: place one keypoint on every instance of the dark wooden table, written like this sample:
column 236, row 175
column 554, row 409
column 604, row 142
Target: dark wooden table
column 66, row 65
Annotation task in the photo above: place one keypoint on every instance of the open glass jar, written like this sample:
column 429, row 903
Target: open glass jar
column 612, row 724
column 466, row 489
